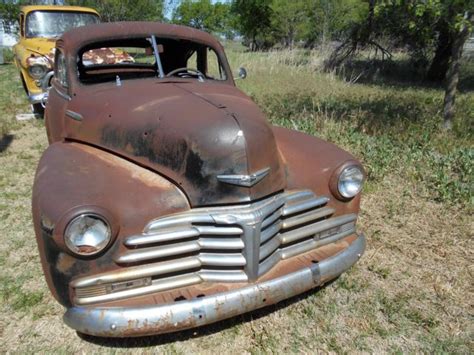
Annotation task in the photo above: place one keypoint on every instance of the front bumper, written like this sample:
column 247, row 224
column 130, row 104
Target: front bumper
column 38, row 98
column 139, row 321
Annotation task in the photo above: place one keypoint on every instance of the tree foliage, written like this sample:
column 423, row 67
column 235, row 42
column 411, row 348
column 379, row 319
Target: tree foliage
column 124, row 10
column 253, row 21
column 329, row 20
column 204, row 15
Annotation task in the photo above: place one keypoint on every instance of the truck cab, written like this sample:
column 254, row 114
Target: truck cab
column 40, row 27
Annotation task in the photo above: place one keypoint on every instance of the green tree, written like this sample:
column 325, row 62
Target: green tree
column 439, row 26
column 203, row 15
column 332, row 19
column 253, row 21
column 10, row 11
column 125, row 10
column 288, row 20
column 434, row 29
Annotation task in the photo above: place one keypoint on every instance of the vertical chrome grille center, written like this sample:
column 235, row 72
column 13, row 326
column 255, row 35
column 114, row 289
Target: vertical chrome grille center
column 237, row 243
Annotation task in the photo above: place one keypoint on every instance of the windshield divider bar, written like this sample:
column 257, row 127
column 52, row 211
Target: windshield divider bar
column 161, row 74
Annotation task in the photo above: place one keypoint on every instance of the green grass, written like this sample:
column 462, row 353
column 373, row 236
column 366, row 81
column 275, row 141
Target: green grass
column 393, row 130
column 411, row 292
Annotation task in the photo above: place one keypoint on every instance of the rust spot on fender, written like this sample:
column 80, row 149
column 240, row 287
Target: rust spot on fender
column 64, row 262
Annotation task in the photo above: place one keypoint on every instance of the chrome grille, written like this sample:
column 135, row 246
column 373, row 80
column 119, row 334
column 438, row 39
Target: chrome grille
column 218, row 244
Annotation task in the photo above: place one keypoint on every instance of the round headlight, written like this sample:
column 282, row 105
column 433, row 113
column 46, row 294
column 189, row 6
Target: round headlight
column 350, row 181
column 87, row 234
column 37, row 71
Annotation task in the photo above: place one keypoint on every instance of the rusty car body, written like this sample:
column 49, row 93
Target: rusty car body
column 167, row 201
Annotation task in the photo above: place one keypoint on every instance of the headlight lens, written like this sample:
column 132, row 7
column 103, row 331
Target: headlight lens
column 37, row 71
column 87, row 234
column 350, row 181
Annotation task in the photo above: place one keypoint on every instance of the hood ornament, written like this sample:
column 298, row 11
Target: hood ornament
column 244, row 180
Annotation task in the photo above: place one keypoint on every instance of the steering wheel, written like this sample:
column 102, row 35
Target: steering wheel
column 184, row 69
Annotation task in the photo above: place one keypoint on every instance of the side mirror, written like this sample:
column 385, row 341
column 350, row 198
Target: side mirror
column 242, row 74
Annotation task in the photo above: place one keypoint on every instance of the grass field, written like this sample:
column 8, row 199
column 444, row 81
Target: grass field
column 411, row 292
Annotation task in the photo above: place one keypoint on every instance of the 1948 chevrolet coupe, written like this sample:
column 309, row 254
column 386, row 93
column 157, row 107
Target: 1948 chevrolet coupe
column 167, row 201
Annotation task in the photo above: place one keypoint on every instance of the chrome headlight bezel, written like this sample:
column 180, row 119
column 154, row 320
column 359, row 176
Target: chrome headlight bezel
column 37, row 71
column 87, row 234
column 347, row 181
column 38, row 67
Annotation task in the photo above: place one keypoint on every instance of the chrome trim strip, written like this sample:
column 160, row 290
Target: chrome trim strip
column 307, row 217
column 180, row 233
column 46, row 80
column 85, row 296
column 147, row 320
column 63, row 95
column 306, row 231
column 161, row 268
column 295, row 207
column 36, row 98
column 133, row 256
column 244, row 180
column 286, row 253
column 74, row 115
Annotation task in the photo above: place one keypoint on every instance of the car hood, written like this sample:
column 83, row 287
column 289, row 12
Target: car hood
column 40, row 46
column 190, row 132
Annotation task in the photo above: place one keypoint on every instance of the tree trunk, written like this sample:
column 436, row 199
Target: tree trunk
column 444, row 49
column 452, row 76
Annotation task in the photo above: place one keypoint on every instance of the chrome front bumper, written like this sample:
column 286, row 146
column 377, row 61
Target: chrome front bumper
column 139, row 321
column 37, row 98
column 45, row 84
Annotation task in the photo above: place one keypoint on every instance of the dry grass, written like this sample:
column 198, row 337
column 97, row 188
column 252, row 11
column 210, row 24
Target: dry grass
column 412, row 291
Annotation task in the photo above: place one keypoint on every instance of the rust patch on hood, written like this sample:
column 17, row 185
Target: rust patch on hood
column 188, row 132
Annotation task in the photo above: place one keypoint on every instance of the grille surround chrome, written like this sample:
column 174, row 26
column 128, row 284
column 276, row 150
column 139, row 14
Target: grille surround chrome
column 237, row 243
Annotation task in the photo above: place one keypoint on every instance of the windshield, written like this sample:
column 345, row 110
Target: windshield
column 51, row 24
column 134, row 58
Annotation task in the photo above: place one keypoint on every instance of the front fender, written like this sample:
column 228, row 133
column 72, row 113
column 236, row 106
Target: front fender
column 310, row 162
column 72, row 178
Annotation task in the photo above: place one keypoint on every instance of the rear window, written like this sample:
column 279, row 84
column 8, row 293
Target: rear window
column 135, row 59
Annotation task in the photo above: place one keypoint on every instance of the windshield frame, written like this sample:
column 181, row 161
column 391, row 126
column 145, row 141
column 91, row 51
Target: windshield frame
column 218, row 50
column 27, row 17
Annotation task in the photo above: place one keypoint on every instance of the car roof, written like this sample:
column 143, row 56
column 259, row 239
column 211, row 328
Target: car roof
column 79, row 37
column 30, row 8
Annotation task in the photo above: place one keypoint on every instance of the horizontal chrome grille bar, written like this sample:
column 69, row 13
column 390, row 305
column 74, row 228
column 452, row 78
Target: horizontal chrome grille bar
column 162, row 268
column 305, row 232
column 296, row 234
column 83, row 297
column 138, row 255
column 307, row 217
column 180, row 233
column 297, row 249
column 295, row 207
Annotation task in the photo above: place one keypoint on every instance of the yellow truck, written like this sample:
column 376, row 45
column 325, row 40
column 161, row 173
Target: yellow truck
column 40, row 27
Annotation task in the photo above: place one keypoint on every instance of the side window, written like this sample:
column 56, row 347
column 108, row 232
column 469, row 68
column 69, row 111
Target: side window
column 214, row 68
column 60, row 72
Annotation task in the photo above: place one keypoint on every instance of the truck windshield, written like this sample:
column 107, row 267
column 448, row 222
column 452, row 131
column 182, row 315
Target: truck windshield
column 51, row 24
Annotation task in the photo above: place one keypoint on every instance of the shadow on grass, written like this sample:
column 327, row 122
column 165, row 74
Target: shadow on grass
column 196, row 333
column 402, row 73
column 5, row 142
column 372, row 112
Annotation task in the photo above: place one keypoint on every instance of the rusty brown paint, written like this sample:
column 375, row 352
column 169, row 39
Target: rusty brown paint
column 150, row 148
